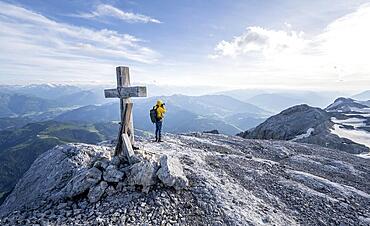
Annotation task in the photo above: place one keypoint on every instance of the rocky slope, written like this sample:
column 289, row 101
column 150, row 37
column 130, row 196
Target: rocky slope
column 196, row 179
column 306, row 124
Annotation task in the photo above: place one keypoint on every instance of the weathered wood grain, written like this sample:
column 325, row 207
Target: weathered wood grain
column 127, row 148
column 126, row 92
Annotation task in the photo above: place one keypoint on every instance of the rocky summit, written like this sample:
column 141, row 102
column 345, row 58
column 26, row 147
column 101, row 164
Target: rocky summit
column 306, row 124
column 194, row 179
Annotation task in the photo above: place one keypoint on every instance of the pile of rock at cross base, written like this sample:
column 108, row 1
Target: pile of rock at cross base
column 74, row 177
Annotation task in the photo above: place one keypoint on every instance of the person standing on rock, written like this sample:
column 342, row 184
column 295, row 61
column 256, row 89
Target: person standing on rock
column 160, row 110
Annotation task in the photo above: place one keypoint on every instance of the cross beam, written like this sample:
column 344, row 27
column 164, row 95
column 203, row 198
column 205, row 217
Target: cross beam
column 124, row 92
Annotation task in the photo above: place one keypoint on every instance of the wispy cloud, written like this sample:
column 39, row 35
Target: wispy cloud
column 104, row 10
column 33, row 43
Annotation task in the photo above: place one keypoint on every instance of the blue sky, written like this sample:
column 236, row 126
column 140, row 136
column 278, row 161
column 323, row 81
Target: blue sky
column 226, row 44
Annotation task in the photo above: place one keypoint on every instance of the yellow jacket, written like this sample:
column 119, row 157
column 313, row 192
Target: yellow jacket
column 161, row 110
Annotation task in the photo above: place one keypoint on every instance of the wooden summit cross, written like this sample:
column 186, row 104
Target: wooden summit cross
column 124, row 91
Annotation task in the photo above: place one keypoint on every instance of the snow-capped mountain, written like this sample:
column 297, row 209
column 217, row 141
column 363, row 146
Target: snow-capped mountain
column 343, row 125
column 348, row 105
column 351, row 120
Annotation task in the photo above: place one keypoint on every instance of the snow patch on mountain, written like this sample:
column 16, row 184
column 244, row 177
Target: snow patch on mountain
column 322, row 182
column 305, row 135
column 358, row 136
column 362, row 110
column 364, row 155
column 355, row 122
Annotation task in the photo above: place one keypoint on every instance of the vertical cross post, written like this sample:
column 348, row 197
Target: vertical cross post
column 123, row 80
column 124, row 92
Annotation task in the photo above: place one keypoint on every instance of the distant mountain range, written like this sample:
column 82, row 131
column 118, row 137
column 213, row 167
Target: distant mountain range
column 45, row 91
column 34, row 103
column 18, row 104
column 276, row 101
column 343, row 125
column 39, row 99
column 185, row 114
column 363, row 96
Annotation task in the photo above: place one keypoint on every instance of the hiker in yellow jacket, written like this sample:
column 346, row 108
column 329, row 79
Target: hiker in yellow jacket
column 160, row 110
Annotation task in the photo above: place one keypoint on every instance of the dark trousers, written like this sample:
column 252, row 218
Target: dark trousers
column 158, row 130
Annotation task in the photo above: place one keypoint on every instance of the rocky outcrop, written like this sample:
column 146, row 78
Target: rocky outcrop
column 290, row 123
column 304, row 124
column 76, row 171
column 231, row 181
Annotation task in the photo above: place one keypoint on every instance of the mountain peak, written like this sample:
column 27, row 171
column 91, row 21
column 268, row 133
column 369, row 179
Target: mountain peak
column 343, row 104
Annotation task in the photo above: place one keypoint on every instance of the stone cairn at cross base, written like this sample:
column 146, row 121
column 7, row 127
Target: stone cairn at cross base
column 124, row 92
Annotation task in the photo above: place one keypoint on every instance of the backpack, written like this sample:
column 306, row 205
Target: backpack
column 153, row 114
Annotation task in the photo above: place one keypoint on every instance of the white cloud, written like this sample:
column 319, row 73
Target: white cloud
column 258, row 39
column 335, row 58
column 104, row 10
column 34, row 44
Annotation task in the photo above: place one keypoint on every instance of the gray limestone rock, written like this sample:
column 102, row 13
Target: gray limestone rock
column 101, row 164
column 171, row 173
column 143, row 173
column 97, row 191
column 51, row 172
column 111, row 174
column 82, row 182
